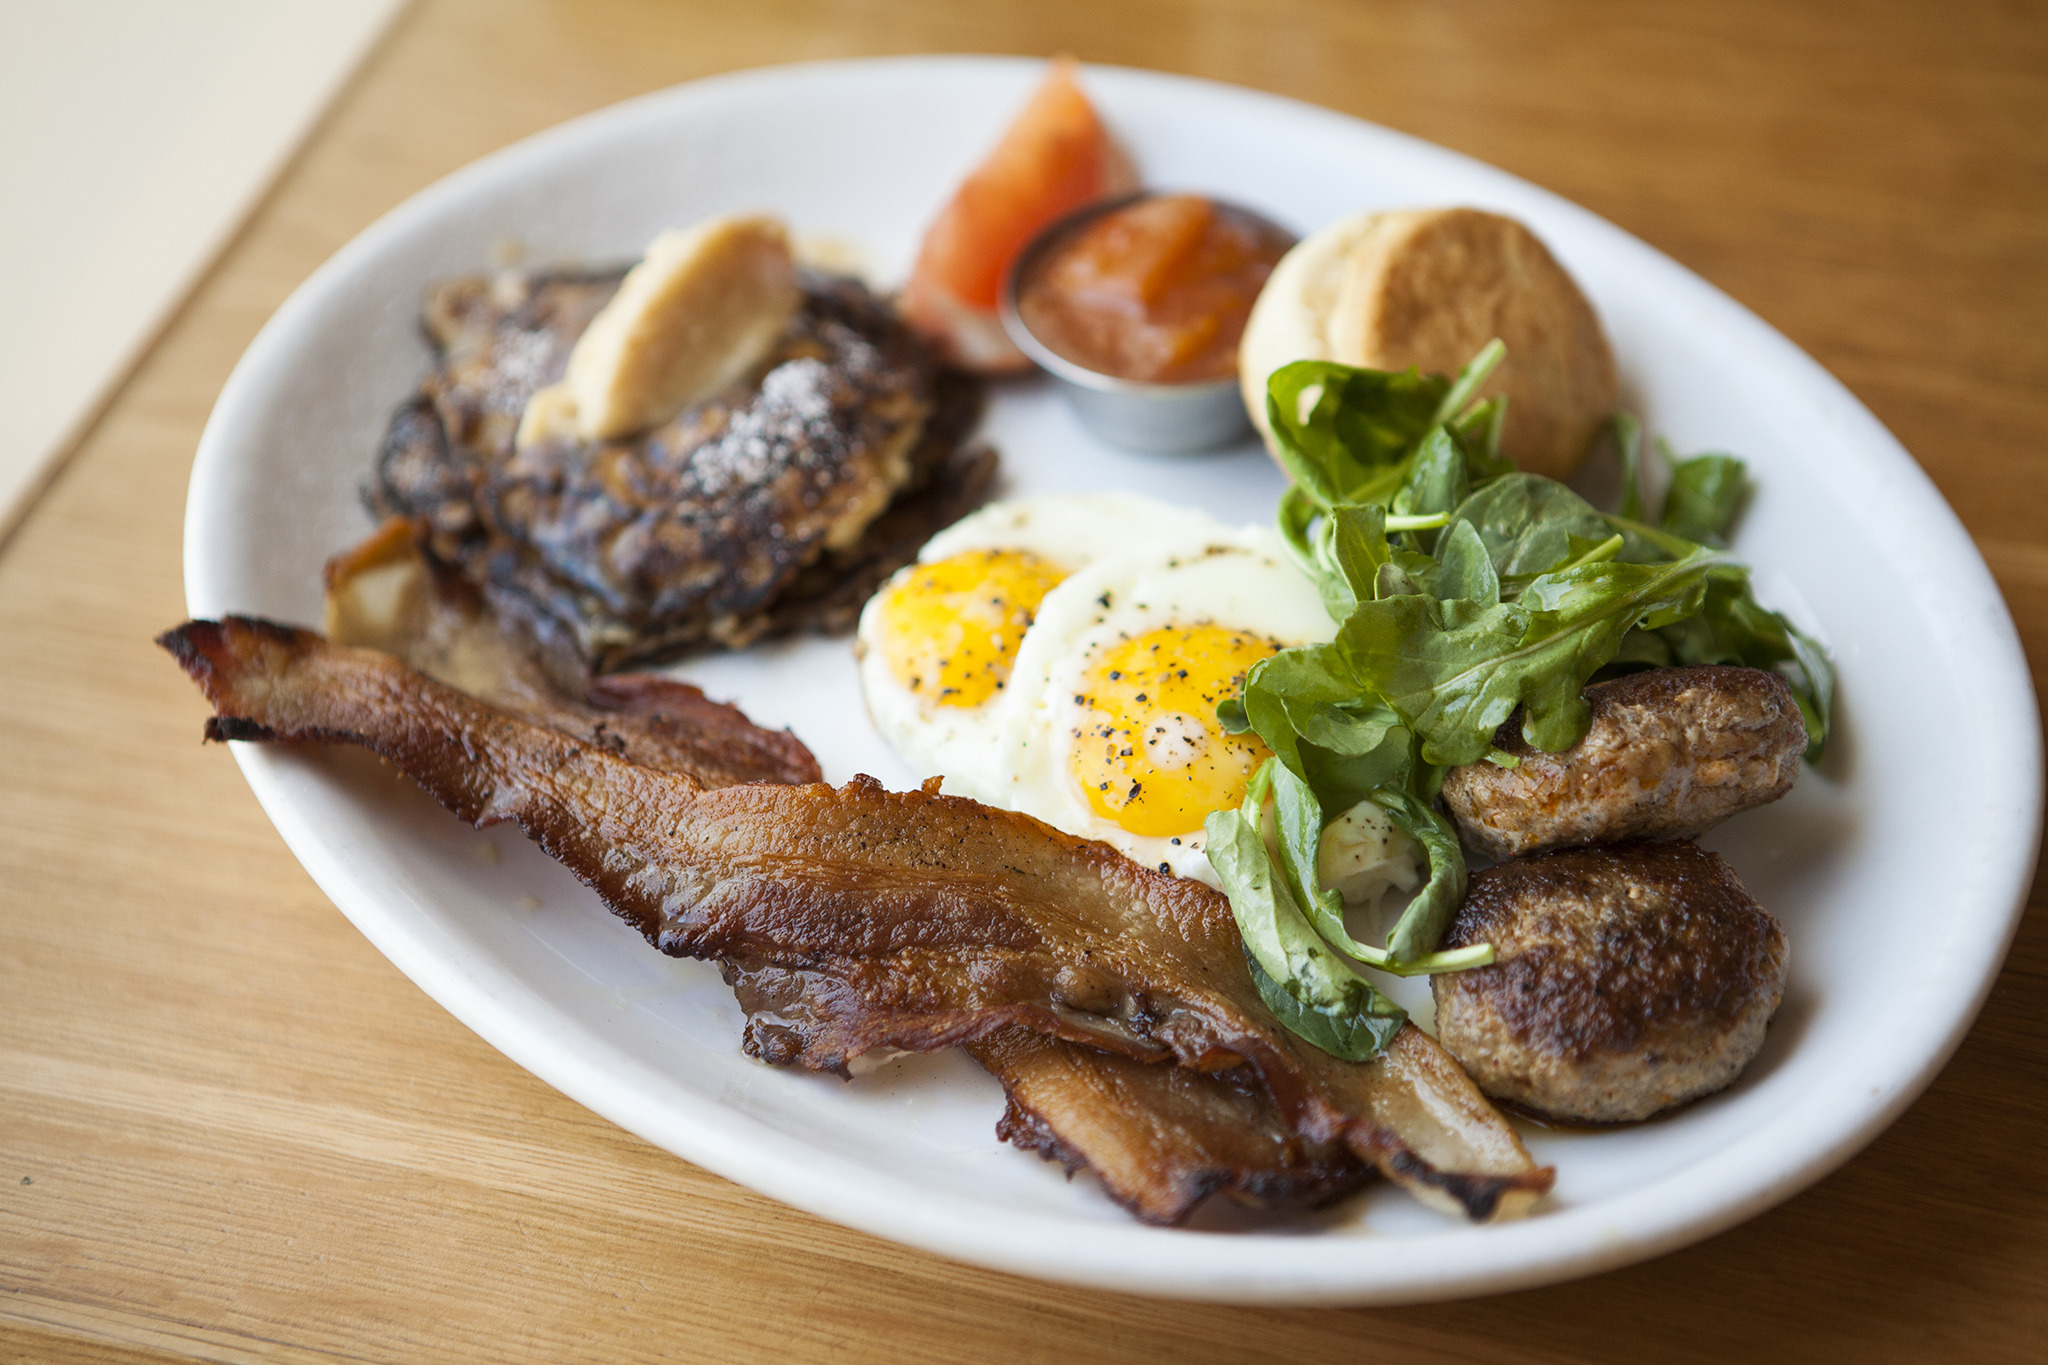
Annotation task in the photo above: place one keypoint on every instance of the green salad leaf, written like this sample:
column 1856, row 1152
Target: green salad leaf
column 1439, row 479
column 1354, row 1035
column 1465, row 593
column 1277, row 936
column 1731, row 628
column 1465, row 569
column 1628, row 448
column 1345, row 434
column 1527, row 523
column 1455, row 670
column 1705, row 497
column 1298, row 820
column 1422, row 924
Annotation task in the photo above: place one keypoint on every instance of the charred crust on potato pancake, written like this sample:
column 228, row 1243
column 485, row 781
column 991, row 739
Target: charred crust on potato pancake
column 756, row 512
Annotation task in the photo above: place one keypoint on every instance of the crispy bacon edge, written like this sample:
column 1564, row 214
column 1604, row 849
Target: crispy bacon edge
column 1159, row 1139
column 935, row 921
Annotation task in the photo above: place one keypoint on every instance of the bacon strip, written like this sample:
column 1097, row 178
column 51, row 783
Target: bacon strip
column 1160, row 1139
column 914, row 920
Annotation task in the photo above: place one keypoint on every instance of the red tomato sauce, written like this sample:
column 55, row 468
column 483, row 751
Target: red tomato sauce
column 1157, row 292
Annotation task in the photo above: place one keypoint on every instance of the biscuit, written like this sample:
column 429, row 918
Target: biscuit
column 1428, row 288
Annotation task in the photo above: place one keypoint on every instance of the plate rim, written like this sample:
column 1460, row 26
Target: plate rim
column 1129, row 1256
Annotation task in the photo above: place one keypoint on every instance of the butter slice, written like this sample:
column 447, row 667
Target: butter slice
column 701, row 309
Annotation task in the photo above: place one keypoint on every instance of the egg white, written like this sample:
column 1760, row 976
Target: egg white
column 1073, row 530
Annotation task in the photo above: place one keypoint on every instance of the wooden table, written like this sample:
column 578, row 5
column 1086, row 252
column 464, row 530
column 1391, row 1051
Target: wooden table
column 230, row 1131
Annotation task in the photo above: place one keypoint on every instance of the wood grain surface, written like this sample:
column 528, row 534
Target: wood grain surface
column 230, row 1131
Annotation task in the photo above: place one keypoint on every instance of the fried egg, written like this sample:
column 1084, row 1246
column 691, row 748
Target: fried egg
column 939, row 641
column 1111, row 730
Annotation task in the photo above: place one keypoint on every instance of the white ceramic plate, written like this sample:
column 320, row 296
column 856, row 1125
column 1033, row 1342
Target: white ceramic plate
column 1898, row 869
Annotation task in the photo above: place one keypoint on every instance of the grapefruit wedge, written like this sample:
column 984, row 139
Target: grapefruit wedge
column 1053, row 159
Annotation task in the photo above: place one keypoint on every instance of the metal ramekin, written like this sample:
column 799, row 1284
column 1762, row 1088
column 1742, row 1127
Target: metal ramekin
column 1128, row 412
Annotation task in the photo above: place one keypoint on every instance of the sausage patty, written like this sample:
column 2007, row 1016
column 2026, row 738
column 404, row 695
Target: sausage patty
column 1670, row 754
column 1626, row 980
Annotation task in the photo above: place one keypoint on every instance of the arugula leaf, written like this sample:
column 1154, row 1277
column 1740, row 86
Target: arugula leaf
column 1645, row 544
column 1526, row 522
column 1466, row 567
column 1478, row 433
column 1351, row 729
column 1437, row 482
column 1343, row 780
column 1640, row 649
column 1339, row 548
column 1307, row 707
column 1628, row 442
column 1813, row 686
column 1276, row 935
column 1298, row 820
column 1353, row 546
column 1332, row 750
column 1707, row 492
column 1424, row 657
column 1281, row 691
column 1731, row 627
column 1349, row 557
column 1344, row 433
column 1583, row 615
column 1355, row 1036
column 1296, row 893
column 1454, row 671
column 1421, row 926
column 1348, row 435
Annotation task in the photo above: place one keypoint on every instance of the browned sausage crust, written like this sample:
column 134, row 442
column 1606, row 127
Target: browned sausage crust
column 1670, row 754
column 1626, row 980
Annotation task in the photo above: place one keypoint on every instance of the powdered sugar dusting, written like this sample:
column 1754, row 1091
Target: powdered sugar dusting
column 791, row 422
column 525, row 362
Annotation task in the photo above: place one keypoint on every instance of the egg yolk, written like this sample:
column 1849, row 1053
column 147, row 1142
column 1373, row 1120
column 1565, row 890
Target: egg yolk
column 950, row 629
column 1149, row 752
